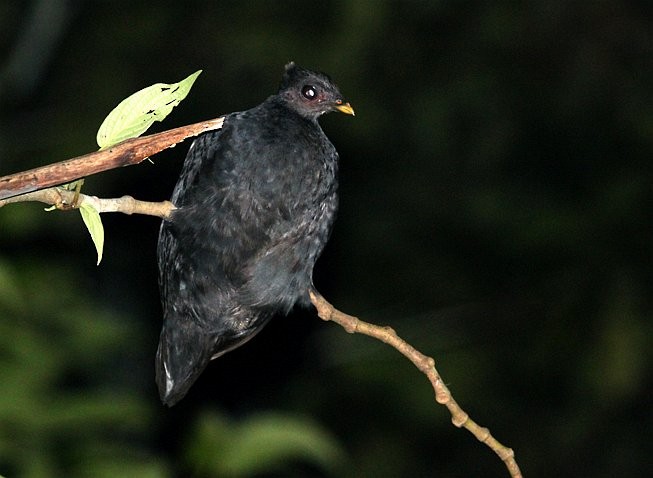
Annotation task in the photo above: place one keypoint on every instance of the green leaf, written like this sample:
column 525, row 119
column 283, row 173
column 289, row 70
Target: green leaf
column 135, row 114
column 91, row 218
column 262, row 443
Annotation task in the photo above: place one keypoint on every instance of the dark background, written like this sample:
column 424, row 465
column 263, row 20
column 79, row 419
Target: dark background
column 496, row 192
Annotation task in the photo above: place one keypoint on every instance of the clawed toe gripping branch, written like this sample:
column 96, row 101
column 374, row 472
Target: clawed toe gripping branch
column 40, row 185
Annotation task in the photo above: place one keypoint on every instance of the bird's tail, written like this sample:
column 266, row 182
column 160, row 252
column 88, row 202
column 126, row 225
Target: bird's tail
column 182, row 355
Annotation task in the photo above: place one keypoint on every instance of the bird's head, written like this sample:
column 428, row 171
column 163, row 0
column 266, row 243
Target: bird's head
column 311, row 94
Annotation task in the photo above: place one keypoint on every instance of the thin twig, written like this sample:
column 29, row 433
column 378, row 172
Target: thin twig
column 426, row 365
column 64, row 199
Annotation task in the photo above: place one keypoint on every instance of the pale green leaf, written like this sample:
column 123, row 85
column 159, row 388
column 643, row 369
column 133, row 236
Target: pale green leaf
column 135, row 114
column 91, row 218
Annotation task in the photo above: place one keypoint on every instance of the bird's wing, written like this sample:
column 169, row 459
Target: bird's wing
column 220, row 224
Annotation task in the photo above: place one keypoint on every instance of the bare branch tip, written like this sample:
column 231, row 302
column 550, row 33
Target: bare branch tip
column 459, row 418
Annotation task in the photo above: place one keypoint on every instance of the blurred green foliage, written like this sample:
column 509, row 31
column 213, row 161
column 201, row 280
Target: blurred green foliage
column 57, row 418
column 260, row 444
column 495, row 210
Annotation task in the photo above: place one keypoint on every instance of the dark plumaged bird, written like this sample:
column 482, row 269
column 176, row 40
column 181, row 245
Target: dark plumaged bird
column 255, row 204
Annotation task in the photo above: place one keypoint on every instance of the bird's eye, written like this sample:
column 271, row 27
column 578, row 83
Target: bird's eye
column 309, row 92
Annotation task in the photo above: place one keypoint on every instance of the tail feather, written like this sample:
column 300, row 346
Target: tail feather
column 186, row 348
column 182, row 355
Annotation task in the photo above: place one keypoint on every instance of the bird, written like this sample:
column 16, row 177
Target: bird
column 255, row 204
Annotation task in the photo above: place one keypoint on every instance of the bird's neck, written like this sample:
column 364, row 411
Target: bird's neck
column 278, row 101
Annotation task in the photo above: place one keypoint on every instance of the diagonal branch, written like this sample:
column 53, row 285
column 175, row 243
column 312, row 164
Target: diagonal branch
column 426, row 365
column 131, row 151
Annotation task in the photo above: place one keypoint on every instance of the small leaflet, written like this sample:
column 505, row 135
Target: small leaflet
column 91, row 218
column 135, row 114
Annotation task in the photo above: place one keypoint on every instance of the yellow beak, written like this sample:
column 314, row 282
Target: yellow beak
column 345, row 108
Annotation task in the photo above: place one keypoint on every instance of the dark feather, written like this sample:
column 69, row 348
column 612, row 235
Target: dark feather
column 255, row 204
